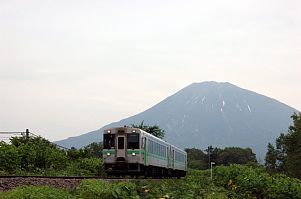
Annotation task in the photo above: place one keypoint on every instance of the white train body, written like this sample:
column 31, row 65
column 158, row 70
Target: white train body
column 135, row 152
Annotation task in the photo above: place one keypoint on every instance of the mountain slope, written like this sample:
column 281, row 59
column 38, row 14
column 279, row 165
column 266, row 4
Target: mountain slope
column 210, row 113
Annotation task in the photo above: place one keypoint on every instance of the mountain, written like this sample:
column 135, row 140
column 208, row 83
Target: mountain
column 210, row 113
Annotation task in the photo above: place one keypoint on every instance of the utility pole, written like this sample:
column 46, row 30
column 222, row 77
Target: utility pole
column 27, row 135
column 211, row 163
column 209, row 155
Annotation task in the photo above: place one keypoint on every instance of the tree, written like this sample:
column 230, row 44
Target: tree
column 196, row 158
column 9, row 159
column 288, row 149
column 271, row 159
column 236, row 155
column 291, row 143
column 154, row 130
column 37, row 153
column 94, row 149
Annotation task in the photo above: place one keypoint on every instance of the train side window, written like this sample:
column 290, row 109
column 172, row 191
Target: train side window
column 159, row 149
column 152, row 147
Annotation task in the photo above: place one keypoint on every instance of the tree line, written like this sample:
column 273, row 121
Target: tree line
column 199, row 159
column 38, row 156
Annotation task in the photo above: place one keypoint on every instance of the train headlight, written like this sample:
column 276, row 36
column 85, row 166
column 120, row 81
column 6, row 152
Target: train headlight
column 133, row 154
column 108, row 154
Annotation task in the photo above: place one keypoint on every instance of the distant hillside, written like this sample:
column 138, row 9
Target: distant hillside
column 210, row 113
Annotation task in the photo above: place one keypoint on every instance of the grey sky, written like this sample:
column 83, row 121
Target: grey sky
column 69, row 67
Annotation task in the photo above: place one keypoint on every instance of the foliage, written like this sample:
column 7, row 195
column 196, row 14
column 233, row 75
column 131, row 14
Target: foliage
column 235, row 155
column 101, row 189
column 85, row 167
column 29, row 192
column 196, row 159
column 38, row 153
column 230, row 155
column 154, row 130
column 38, row 156
column 271, row 159
column 247, row 182
column 9, row 157
column 196, row 184
column 92, row 150
column 288, row 151
column 234, row 181
column 94, row 189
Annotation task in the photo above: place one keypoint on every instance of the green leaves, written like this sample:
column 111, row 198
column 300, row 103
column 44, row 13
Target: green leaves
column 105, row 190
column 36, row 192
column 287, row 152
column 248, row 182
column 9, row 158
column 235, row 181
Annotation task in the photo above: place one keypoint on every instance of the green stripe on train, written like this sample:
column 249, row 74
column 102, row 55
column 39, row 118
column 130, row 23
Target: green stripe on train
column 111, row 151
column 130, row 151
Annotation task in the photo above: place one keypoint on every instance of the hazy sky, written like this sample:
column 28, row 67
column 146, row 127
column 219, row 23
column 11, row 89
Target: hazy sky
column 70, row 67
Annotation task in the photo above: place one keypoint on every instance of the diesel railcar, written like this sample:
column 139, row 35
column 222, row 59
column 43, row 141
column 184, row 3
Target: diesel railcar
column 134, row 152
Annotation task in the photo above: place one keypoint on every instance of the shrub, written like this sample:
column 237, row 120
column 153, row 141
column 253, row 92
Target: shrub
column 94, row 189
column 10, row 160
column 248, row 182
column 104, row 190
column 29, row 192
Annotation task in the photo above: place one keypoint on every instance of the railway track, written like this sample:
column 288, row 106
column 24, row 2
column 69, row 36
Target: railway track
column 67, row 182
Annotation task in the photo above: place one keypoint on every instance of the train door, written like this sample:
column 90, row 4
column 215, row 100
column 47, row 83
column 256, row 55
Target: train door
column 170, row 157
column 121, row 151
column 173, row 158
column 144, row 151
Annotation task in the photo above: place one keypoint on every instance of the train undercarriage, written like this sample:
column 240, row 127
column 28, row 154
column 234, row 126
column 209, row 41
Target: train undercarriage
column 137, row 170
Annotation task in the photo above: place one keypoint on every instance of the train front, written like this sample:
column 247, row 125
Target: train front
column 121, row 151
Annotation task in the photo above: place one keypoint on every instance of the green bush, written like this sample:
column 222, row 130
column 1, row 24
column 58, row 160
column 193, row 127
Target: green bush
column 85, row 167
column 33, row 192
column 100, row 189
column 10, row 160
column 247, row 182
column 94, row 189
column 284, row 187
column 124, row 190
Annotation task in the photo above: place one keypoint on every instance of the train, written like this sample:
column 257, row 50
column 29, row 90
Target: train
column 134, row 152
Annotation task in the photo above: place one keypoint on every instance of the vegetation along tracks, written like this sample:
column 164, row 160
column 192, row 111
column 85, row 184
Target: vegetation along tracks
column 68, row 182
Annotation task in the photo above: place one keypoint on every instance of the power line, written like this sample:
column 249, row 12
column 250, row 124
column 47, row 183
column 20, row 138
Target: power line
column 11, row 132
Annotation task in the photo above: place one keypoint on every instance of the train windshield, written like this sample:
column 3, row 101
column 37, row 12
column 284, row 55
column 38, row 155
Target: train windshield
column 108, row 141
column 133, row 141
